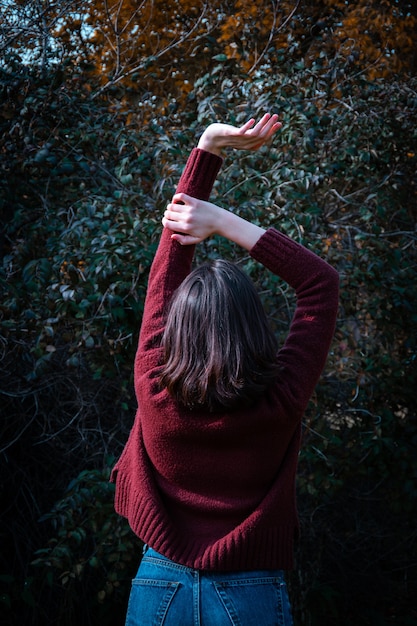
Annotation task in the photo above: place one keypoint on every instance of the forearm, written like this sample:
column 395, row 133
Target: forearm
column 316, row 285
column 199, row 174
column 173, row 262
column 239, row 230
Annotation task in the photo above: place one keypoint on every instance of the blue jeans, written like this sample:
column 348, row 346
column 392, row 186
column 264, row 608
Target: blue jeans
column 167, row 594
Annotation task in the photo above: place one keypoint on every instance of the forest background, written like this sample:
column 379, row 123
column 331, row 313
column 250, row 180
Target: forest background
column 101, row 102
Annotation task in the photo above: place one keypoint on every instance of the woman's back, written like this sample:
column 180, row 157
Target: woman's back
column 207, row 477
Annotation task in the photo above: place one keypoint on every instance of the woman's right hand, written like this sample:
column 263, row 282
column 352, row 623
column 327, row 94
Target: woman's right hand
column 250, row 136
column 192, row 220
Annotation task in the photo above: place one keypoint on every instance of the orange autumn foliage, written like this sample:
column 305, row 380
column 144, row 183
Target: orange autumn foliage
column 162, row 47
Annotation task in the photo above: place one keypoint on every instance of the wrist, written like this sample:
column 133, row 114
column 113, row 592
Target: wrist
column 209, row 144
column 237, row 229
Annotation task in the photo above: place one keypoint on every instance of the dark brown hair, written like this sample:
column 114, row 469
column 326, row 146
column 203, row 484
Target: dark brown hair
column 220, row 351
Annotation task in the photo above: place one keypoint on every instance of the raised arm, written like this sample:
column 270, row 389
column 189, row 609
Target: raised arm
column 172, row 262
column 195, row 221
column 315, row 282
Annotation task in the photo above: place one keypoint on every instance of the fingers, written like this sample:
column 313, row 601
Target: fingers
column 175, row 220
column 177, row 210
column 243, row 129
column 181, row 198
column 178, row 219
column 177, row 215
column 262, row 131
column 179, row 231
column 180, row 207
column 185, row 240
column 267, row 125
column 264, row 121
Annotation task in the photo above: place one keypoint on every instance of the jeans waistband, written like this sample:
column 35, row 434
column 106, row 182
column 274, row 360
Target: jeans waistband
column 151, row 554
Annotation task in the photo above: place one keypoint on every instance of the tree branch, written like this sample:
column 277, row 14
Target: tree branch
column 175, row 43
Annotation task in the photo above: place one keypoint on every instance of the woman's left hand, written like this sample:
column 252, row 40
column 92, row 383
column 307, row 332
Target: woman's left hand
column 250, row 136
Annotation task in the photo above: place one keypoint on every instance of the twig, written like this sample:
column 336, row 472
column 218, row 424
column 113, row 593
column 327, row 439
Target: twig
column 171, row 46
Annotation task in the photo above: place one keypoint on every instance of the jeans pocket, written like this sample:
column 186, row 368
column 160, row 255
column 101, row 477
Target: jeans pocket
column 149, row 602
column 255, row 602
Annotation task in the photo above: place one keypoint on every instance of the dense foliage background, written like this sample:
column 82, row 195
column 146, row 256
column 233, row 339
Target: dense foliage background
column 101, row 102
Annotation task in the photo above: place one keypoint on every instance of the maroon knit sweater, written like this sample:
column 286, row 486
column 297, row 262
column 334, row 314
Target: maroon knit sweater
column 216, row 491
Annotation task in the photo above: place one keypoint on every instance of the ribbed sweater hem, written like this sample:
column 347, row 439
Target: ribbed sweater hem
column 264, row 548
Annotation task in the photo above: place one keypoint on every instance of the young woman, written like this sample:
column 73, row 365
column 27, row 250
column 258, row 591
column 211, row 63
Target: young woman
column 207, row 477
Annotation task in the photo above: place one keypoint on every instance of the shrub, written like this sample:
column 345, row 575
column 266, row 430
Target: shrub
column 90, row 558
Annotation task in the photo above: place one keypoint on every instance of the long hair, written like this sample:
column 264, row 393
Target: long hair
column 220, row 351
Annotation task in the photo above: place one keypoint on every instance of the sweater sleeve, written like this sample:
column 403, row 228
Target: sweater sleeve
column 172, row 262
column 316, row 285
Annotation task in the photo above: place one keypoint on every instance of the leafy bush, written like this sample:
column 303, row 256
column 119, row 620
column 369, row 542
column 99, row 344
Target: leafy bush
column 91, row 555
